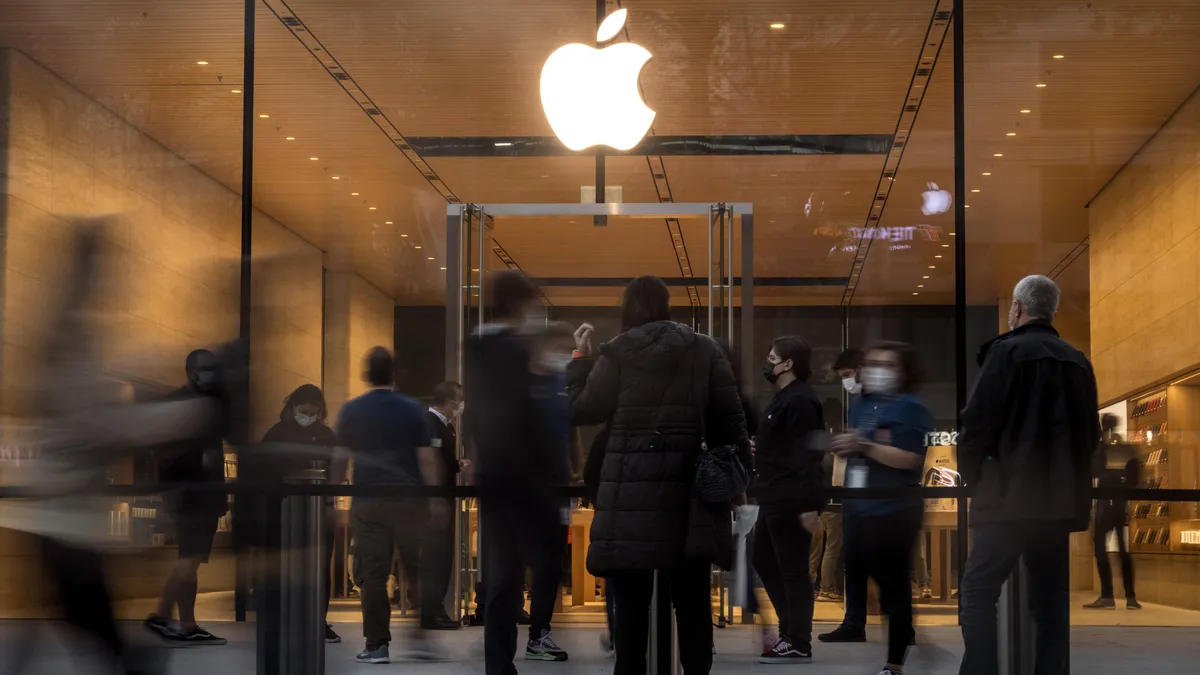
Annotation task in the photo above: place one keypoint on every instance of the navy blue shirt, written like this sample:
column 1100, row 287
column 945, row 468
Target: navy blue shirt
column 907, row 419
column 383, row 430
column 553, row 411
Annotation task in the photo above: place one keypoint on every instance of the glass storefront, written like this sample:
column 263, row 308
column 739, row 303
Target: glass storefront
column 322, row 177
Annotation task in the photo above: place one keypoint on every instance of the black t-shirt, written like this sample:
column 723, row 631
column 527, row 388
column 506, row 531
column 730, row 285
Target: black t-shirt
column 200, row 459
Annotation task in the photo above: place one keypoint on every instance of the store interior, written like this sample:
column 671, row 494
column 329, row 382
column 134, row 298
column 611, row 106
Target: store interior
column 834, row 119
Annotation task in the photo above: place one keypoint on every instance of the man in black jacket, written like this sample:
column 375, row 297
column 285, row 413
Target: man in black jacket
column 1028, row 434
column 441, row 416
column 787, row 473
column 512, row 467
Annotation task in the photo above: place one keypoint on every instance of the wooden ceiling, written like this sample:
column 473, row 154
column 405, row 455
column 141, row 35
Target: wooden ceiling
column 471, row 68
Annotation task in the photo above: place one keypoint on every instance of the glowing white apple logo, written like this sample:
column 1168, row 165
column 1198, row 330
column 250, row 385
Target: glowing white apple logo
column 591, row 96
column 935, row 201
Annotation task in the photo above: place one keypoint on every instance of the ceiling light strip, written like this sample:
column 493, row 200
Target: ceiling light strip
column 329, row 62
column 931, row 47
column 662, row 187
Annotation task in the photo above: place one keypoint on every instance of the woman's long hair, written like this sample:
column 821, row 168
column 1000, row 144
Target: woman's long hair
column 303, row 395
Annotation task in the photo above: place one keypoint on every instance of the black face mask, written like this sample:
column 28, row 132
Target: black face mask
column 769, row 372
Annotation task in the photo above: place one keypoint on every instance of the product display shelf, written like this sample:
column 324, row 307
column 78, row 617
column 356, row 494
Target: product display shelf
column 1147, row 429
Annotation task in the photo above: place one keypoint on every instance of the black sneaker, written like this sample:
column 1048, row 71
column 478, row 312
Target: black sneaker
column 1132, row 603
column 331, row 635
column 786, row 652
column 1101, row 603
column 196, row 636
column 544, row 649
column 844, row 633
column 157, row 624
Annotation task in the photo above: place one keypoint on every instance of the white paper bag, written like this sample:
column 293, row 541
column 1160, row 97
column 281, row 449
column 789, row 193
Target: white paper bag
column 744, row 518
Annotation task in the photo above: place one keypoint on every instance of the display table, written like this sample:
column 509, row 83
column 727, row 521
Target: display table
column 940, row 524
column 583, row 585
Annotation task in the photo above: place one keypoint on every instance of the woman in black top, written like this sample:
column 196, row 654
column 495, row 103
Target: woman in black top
column 303, row 421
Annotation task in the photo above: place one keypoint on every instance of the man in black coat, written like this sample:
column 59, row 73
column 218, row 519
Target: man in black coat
column 1028, row 434
column 518, row 513
column 441, row 417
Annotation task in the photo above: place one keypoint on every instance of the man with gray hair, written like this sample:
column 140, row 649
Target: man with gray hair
column 1028, row 434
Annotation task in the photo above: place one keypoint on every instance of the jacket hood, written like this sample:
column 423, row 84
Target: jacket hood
column 658, row 345
column 1035, row 325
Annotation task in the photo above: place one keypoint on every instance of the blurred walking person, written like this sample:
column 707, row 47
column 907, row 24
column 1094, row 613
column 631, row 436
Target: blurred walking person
column 303, row 421
column 666, row 394
column 443, row 419
column 389, row 441
column 199, row 460
column 1028, row 434
column 515, row 469
column 886, row 449
column 788, row 472
column 1114, row 466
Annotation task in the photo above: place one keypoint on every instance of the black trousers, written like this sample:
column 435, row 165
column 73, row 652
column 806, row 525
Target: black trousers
column 1104, row 524
column 516, row 534
column 996, row 549
column 880, row 547
column 689, row 587
column 441, row 553
column 781, row 552
column 547, row 581
column 382, row 526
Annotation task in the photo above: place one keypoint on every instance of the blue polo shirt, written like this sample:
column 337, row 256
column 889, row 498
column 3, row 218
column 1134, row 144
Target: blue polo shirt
column 908, row 420
column 383, row 430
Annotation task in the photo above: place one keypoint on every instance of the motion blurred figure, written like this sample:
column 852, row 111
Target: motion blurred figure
column 1114, row 466
column 442, row 418
column 1028, row 434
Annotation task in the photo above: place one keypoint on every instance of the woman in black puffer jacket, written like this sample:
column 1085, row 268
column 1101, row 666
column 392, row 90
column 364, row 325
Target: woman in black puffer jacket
column 662, row 389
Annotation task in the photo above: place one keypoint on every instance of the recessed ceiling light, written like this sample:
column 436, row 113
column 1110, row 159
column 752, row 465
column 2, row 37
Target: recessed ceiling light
column 404, row 236
column 945, row 245
column 290, row 138
column 235, row 91
column 442, row 268
column 920, row 285
column 313, row 159
column 1060, row 56
column 925, row 277
column 545, row 176
column 337, row 177
column 202, row 63
column 264, row 116
column 915, row 293
column 1040, row 85
column 965, row 206
column 416, row 247
column 505, row 144
column 997, row 154
column 387, row 222
column 431, row 258
column 1025, row 111
column 975, row 190
column 1011, row 133
column 776, row 26
column 353, row 194
column 953, row 233
column 933, row 267
column 937, row 256
column 987, row 173
column 370, row 208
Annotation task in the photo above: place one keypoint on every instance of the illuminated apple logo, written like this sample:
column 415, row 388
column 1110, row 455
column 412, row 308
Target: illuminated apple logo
column 935, row 201
column 591, row 96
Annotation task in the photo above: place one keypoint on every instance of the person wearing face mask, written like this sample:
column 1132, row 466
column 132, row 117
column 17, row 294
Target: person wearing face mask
column 196, row 514
column 886, row 448
column 788, row 471
column 1028, row 435
column 303, row 421
column 846, row 366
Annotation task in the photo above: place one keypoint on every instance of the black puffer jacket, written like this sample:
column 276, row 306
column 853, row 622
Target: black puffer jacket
column 659, row 387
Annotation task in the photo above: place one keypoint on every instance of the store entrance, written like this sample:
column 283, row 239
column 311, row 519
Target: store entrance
column 581, row 256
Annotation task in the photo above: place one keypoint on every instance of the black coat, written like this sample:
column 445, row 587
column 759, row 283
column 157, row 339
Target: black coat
column 661, row 388
column 1029, row 430
column 445, row 441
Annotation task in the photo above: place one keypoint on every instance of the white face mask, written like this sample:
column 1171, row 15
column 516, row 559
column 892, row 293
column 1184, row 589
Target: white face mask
column 851, row 385
column 877, row 380
column 555, row 362
column 459, row 409
column 304, row 420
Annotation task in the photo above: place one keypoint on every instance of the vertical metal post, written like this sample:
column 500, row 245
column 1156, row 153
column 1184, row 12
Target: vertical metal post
column 729, row 276
column 241, row 589
column 747, row 346
column 960, row 260
column 454, row 293
column 302, row 630
column 481, row 225
column 712, row 224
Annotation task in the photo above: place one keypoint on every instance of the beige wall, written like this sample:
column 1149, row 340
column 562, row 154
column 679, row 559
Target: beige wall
column 1144, row 254
column 359, row 316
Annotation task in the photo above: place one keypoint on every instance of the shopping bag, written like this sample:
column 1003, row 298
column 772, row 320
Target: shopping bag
column 744, row 518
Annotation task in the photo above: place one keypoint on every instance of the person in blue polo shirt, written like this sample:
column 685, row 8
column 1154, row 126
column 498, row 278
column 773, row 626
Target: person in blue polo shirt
column 886, row 448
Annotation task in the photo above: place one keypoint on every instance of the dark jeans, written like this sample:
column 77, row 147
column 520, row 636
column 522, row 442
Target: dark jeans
column 327, row 560
column 1103, row 525
column 855, row 583
column 516, row 534
column 880, row 547
column 781, row 548
column 547, row 581
column 689, row 587
column 996, row 548
column 442, row 544
column 380, row 527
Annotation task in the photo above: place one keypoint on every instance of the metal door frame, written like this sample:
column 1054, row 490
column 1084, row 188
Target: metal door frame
column 461, row 295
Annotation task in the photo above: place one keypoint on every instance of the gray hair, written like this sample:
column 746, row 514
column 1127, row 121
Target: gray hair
column 1038, row 296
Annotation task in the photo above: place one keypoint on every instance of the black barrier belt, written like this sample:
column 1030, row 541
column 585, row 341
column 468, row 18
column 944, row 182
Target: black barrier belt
column 573, row 491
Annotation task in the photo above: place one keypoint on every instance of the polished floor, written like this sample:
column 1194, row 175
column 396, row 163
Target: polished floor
column 1095, row 650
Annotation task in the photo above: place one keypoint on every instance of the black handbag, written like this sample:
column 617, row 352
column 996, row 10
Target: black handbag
column 720, row 475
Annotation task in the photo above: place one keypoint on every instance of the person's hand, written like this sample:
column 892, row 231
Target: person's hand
column 439, row 513
column 846, row 444
column 583, row 339
column 810, row 521
column 464, row 463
